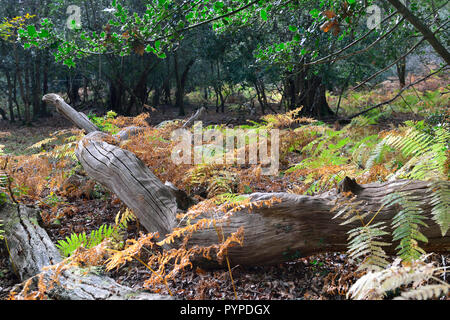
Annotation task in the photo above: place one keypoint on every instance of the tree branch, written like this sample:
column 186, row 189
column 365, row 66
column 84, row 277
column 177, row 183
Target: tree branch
column 426, row 32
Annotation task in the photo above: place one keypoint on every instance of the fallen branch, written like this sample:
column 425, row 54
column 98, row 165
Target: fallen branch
column 296, row 226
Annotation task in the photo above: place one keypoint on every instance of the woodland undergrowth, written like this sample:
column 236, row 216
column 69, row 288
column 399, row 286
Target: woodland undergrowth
column 314, row 158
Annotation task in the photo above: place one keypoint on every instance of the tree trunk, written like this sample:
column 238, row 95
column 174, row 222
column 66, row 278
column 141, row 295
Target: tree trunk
column 72, row 90
column 296, row 226
column 139, row 94
column 36, row 89
column 19, row 115
column 181, row 83
column 426, row 32
column 115, row 97
column 3, row 114
column 32, row 252
column 156, row 96
column 77, row 118
column 18, row 74
column 401, row 72
column 44, row 112
column 10, row 95
column 307, row 91
column 166, row 85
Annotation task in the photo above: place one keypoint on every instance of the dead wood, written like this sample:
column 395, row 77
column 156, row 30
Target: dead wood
column 296, row 226
column 31, row 251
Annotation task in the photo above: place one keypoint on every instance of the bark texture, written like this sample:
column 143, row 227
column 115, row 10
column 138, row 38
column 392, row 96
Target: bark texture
column 77, row 118
column 31, row 249
column 297, row 226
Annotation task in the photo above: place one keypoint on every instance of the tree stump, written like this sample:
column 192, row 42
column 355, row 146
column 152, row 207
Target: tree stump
column 31, row 251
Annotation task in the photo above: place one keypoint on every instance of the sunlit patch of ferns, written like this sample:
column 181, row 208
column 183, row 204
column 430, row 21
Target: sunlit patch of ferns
column 427, row 154
column 72, row 243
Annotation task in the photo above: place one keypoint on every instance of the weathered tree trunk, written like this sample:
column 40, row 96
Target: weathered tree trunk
column 31, row 250
column 297, row 225
column 77, row 118
column 197, row 115
column 10, row 95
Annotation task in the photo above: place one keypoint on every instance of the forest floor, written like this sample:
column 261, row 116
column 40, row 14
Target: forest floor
column 324, row 276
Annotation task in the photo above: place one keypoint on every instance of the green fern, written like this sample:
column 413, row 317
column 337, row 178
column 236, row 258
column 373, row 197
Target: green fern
column 3, row 183
column 427, row 153
column 365, row 242
column 323, row 152
column 406, row 224
column 359, row 151
column 72, row 243
column 2, row 232
column 68, row 246
column 378, row 154
column 440, row 202
column 230, row 198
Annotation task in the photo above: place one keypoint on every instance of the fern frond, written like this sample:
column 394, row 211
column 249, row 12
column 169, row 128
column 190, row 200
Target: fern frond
column 3, row 184
column 377, row 154
column 123, row 218
column 2, row 232
column 425, row 292
column 364, row 242
column 441, row 204
column 428, row 153
column 221, row 182
column 406, row 224
column 374, row 285
column 72, row 243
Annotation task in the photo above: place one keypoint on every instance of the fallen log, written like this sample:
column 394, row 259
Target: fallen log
column 296, row 226
column 128, row 177
column 32, row 252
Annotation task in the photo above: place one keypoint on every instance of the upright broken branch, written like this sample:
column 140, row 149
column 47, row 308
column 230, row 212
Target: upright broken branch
column 77, row 118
